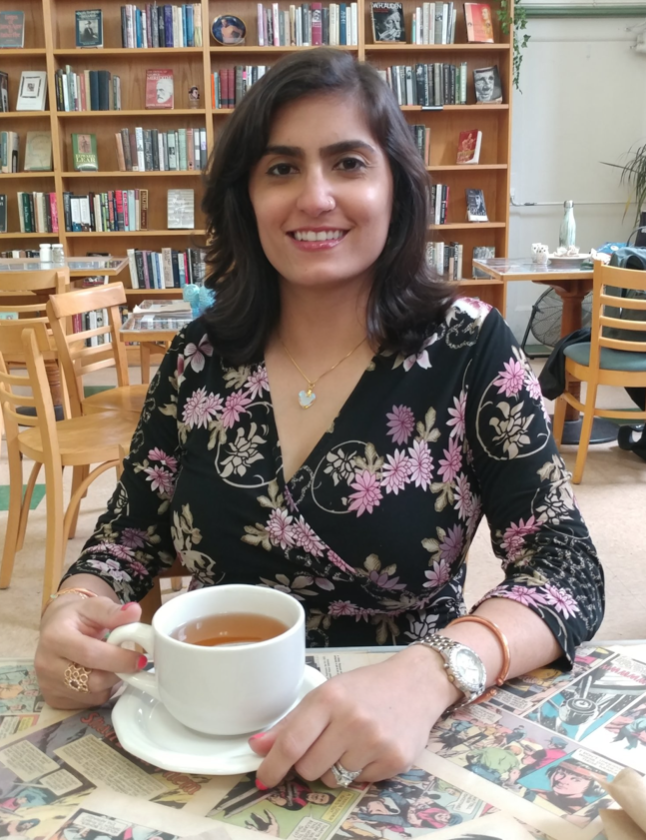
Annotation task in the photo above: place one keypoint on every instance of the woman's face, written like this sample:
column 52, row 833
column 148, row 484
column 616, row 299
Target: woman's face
column 231, row 33
column 322, row 194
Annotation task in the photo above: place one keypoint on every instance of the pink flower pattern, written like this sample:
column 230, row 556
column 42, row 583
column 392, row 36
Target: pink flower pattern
column 234, row 408
column 401, row 422
column 164, row 459
column 160, row 480
column 395, row 473
column 510, row 380
column 281, row 529
column 195, row 355
column 201, row 407
column 421, row 464
column 367, row 495
column 451, row 464
column 458, row 416
column 257, row 382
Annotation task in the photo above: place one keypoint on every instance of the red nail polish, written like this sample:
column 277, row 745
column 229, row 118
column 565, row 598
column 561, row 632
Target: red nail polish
column 260, row 785
column 257, row 735
column 125, row 606
column 142, row 662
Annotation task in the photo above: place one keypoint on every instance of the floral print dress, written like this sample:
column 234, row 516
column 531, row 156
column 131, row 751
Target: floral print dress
column 372, row 532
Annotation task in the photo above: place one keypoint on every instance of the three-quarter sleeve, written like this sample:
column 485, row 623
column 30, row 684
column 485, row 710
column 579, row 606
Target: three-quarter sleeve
column 549, row 561
column 132, row 541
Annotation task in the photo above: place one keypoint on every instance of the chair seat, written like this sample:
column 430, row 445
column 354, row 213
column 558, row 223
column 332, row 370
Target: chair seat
column 610, row 359
column 127, row 398
column 83, row 440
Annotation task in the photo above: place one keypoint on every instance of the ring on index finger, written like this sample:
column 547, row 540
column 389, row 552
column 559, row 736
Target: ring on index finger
column 77, row 677
column 343, row 777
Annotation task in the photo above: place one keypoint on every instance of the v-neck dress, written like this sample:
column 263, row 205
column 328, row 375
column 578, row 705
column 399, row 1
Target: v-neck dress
column 372, row 532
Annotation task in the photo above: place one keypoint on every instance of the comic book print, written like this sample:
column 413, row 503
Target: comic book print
column 20, row 699
column 90, row 825
column 406, row 806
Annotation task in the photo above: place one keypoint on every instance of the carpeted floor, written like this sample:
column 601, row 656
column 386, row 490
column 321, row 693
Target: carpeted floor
column 612, row 498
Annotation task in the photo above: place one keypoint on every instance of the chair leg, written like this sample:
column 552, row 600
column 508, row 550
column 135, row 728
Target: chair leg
column 26, row 504
column 586, row 432
column 79, row 474
column 13, row 518
column 54, row 546
column 71, row 514
column 144, row 362
column 558, row 422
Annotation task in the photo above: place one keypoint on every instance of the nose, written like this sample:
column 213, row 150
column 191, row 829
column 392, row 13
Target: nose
column 316, row 194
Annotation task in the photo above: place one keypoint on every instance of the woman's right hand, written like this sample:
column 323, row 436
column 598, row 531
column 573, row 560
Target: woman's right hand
column 73, row 630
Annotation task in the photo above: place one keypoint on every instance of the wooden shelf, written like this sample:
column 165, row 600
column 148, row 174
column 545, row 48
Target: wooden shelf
column 28, row 235
column 467, row 167
column 20, row 53
column 477, row 106
column 143, row 174
column 18, row 115
column 469, row 226
column 174, row 292
column 147, row 112
column 275, row 50
column 77, row 52
column 22, row 175
column 400, row 47
column 131, row 233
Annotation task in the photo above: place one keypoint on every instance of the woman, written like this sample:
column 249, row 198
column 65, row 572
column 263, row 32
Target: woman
column 335, row 427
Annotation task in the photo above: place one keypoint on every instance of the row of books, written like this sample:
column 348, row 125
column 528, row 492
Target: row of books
column 476, row 207
column 432, row 23
column 96, row 318
column 447, row 258
column 153, row 150
column 161, row 26
column 422, row 137
column 9, row 147
column 310, row 24
column 90, row 90
column 38, row 212
column 114, row 210
column 168, row 269
column 428, row 85
column 229, row 85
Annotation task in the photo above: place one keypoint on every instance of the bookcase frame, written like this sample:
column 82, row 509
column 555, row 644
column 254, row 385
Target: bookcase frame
column 50, row 44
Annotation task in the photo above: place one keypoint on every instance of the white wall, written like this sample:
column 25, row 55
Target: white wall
column 583, row 101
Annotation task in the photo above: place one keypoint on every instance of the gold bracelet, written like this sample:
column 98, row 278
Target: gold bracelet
column 74, row 590
column 504, row 645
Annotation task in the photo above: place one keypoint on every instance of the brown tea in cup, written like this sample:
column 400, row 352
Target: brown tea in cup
column 229, row 629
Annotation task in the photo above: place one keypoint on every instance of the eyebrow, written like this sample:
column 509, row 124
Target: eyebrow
column 326, row 151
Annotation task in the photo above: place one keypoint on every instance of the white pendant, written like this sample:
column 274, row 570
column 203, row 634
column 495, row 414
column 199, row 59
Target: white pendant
column 306, row 398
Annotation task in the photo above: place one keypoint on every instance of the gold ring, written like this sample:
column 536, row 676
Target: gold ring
column 76, row 677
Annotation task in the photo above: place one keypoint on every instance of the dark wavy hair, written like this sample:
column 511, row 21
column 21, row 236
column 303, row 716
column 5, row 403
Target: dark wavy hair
column 407, row 298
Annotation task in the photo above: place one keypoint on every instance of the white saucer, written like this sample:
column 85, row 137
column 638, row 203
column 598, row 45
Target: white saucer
column 148, row 731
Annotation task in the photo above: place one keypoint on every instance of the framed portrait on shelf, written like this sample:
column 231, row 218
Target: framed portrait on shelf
column 32, row 93
column 229, row 30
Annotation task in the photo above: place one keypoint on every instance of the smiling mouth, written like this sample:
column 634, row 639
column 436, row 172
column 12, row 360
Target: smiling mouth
column 317, row 235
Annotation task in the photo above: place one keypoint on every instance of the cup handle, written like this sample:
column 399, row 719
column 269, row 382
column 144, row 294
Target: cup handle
column 142, row 634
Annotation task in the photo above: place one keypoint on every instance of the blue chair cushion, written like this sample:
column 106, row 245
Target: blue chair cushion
column 610, row 359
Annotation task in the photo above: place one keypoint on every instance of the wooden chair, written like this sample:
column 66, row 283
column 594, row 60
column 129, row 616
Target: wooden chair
column 605, row 360
column 76, row 442
column 77, row 359
column 147, row 349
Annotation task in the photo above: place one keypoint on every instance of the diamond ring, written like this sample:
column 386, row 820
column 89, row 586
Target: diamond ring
column 344, row 777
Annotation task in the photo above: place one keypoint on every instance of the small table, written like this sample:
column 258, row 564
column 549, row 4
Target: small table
column 571, row 285
column 78, row 266
column 158, row 326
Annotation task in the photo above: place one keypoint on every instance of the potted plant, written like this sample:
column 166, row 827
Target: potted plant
column 511, row 13
column 633, row 173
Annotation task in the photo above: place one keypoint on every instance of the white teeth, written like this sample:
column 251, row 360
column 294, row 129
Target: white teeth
column 317, row 236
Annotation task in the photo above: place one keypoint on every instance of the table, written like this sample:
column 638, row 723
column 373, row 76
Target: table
column 143, row 326
column 571, row 285
column 78, row 266
column 69, row 772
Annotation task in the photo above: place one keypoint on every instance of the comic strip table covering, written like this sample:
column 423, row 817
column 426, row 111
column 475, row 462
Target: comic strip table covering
column 529, row 763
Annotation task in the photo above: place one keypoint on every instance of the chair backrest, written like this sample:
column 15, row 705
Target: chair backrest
column 31, row 342
column 105, row 350
column 607, row 280
column 14, row 283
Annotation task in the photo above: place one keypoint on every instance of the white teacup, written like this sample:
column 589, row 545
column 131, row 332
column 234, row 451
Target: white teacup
column 224, row 689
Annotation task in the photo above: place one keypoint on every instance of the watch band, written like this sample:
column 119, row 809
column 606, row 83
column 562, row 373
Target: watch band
column 443, row 645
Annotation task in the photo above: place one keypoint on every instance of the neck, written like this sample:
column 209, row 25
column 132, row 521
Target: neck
column 315, row 323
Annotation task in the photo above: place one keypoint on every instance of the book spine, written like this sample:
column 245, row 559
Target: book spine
column 132, row 265
column 53, row 209
column 143, row 198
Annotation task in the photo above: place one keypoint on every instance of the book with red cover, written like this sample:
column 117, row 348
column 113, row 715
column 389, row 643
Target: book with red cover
column 160, row 91
column 469, row 143
column 317, row 24
column 478, row 20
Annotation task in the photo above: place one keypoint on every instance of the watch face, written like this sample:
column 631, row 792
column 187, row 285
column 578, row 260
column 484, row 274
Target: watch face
column 469, row 668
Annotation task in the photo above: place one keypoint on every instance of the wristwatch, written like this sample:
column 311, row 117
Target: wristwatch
column 463, row 666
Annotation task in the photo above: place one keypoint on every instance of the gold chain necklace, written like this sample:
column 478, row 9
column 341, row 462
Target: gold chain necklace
column 306, row 398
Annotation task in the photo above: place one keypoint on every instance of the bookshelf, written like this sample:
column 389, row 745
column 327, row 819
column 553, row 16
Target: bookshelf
column 52, row 47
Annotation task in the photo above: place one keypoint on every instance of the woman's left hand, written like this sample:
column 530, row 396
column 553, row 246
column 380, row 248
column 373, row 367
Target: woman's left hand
column 376, row 718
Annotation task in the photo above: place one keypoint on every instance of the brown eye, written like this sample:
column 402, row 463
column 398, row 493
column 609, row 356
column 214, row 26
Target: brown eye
column 280, row 169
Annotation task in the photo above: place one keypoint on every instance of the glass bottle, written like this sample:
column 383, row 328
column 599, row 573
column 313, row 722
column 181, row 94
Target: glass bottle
column 58, row 255
column 567, row 231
